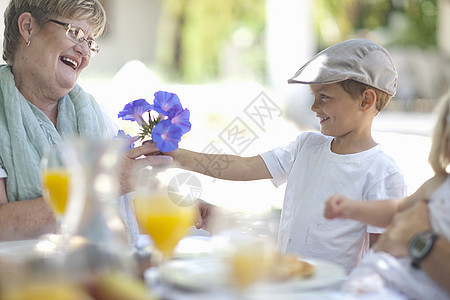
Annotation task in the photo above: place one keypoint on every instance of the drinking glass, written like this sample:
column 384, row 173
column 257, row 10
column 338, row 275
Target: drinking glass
column 161, row 214
column 248, row 244
column 56, row 185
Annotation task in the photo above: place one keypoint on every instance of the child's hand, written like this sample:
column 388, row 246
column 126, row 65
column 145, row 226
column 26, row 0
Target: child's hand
column 207, row 213
column 338, row 206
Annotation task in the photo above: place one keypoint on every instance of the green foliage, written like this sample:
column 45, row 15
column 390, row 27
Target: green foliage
column 421, row 28
column 194, row 33
column 401, row 22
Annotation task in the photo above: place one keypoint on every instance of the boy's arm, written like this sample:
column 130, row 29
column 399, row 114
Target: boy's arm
column 223, row 166
column 375, row 213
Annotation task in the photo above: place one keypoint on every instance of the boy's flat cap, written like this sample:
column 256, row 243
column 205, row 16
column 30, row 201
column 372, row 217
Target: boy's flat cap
column 359, row 59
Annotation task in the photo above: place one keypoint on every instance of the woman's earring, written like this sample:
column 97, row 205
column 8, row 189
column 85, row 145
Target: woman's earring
column 28, row 43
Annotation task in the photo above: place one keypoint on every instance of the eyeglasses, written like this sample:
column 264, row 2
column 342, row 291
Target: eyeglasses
column 77, row 35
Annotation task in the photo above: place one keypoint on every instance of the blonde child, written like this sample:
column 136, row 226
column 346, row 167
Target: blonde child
column 351, row 83
column 413, row 255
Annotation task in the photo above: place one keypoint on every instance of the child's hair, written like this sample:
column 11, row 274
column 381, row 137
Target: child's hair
column 355, row 89
column 439, row 157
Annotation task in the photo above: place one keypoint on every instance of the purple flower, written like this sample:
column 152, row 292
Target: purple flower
column 133, row 111
column 182, row 120
column 166, row 135
column 128, row 139
column 167, row 104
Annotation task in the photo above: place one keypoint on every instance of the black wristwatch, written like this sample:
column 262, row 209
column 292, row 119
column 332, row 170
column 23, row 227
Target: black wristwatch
column 420, row 246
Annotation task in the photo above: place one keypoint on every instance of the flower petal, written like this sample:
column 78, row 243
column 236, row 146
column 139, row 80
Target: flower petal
column 167, row 102
column 133, row 110
column 128, row 139
column 182, row 121
column 166, row 136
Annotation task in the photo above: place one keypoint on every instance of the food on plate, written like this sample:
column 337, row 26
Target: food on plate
column 290, row 266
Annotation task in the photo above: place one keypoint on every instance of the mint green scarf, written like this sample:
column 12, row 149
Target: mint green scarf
column 25, row 131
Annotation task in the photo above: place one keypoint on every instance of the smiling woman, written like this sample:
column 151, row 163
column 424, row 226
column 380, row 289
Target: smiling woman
column 47, row 44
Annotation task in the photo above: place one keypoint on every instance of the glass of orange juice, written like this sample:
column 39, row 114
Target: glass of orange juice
column 159, row 211
column 55, row 184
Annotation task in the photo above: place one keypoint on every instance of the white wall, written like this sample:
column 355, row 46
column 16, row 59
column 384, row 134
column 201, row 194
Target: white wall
column 131, row 35
column 290, row 44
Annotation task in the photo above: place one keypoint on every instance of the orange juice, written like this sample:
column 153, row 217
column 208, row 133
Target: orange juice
column 250, row 262
column 56, row 189
column 166, row 223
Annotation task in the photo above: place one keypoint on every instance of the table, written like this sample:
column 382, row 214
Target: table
column 17, row 250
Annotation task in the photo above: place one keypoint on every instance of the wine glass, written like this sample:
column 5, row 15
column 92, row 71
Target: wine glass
column 55, row 186
column 161, row 214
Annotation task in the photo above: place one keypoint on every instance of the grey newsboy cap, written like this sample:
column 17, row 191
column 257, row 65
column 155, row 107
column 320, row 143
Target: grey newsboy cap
column 359, row 59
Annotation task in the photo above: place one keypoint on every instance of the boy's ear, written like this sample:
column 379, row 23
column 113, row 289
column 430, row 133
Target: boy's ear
column 369, row 99
column 25, row 24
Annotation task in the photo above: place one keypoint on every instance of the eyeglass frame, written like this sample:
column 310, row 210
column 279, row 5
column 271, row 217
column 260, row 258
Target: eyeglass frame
column 93, row 50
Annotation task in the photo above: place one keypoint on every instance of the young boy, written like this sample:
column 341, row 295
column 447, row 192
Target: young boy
column 351, row 83
column 412, row 256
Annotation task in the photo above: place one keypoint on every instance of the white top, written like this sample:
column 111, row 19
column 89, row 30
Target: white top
column 313, row 174
column 397, row 273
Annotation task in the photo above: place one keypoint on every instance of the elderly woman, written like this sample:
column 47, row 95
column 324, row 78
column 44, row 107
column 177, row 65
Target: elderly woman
column 47, row 43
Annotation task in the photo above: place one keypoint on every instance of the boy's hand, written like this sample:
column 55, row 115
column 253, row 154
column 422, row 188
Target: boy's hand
column 338, row 206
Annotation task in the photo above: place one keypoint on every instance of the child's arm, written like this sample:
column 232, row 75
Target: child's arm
column 222, row 166
column 375, row 213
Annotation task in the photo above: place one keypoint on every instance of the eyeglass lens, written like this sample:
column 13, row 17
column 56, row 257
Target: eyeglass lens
column 77, row 35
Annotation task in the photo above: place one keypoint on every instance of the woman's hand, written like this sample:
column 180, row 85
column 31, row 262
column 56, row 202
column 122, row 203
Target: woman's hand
column 404, row 226
column 137, row 158
column 338, row 206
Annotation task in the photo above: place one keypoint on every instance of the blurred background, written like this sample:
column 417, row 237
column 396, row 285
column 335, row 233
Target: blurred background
column 229, row 62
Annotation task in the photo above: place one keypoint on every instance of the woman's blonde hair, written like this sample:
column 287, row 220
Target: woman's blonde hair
column 42, row 11
column 439, row 157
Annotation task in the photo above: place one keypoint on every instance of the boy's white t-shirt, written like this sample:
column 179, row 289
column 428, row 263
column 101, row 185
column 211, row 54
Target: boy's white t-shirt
column 313, row 174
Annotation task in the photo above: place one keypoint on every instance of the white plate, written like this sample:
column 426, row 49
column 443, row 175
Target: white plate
column 205, row 273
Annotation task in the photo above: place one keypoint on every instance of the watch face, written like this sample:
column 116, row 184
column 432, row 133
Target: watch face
column 419, row 247
column 421, row 244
